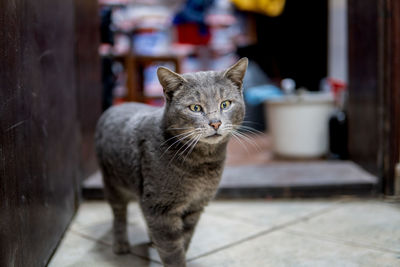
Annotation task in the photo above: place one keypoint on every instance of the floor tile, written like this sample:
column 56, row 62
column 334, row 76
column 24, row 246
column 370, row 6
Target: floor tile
column 213, row 232
column 269, row 213
column 344, row 232
column 285, row 249
column 77, row 251
column 93, row 212
column 371, row 223
column 100, row 229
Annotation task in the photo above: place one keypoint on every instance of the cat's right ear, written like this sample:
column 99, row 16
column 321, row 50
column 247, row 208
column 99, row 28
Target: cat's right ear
column 170, row 81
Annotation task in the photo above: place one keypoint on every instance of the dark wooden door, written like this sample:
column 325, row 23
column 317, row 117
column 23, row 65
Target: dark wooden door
column 88, row 80
column 374, row 87
column 364, row 117
column 41, row 122
column 389, row 70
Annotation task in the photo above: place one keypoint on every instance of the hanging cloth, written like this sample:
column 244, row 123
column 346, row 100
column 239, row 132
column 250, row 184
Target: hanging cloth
column 270, row 8
column 190, row 22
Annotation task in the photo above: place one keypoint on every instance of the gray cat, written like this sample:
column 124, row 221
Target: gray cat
column 170, row 158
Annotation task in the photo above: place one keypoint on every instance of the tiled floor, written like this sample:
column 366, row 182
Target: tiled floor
column 340, row 232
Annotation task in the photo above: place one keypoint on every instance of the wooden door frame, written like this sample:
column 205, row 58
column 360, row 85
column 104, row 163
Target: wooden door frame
column 389, row 84
column 374, row 88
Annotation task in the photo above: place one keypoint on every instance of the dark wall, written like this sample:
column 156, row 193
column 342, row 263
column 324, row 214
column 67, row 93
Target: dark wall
column 41, row 117
column 294, row 44
column 88, row 78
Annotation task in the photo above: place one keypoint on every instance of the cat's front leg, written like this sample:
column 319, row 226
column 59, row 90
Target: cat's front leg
column 190, row 220
column 167, row 236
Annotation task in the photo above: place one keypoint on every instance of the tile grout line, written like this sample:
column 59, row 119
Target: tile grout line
column 83, row 235
column 340, row 241
column 272, row 229
column 335, row 205
column 243, row 220
column 109, row 245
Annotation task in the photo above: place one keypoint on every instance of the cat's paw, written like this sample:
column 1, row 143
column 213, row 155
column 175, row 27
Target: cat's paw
column 121, row 247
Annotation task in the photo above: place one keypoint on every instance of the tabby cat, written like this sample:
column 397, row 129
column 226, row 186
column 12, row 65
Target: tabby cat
column 171, row 159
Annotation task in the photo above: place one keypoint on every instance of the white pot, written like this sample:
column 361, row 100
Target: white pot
column 299, row 124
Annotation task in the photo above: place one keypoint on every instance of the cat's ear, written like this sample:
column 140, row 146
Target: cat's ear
column 169, row 81
column 236, row 72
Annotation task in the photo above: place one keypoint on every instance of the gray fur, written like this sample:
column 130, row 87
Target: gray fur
column 143, row 154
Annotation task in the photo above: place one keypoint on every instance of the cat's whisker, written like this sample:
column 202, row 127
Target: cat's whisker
column 246, row 136
column 176, row 136
column 248, row 139
column 247, row 129
column 180, row 139
column 232, row 126
column 193, row 146
column 240, row 141
column 187, row 144
column 243, row 136
column 250, row 129
column 250, row 122
column 237, row 137
column 242, row 130
column 253, row 131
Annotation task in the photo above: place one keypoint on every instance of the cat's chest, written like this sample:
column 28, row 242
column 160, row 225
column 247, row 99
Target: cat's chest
column 183, row 179
column 190, row 184
column 197, row 192
column 200, row 183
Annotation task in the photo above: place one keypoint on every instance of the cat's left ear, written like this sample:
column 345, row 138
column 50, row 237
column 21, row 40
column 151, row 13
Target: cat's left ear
column 236, row 72
column 170, row 81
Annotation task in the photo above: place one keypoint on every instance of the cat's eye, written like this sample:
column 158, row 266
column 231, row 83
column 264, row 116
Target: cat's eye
column 195, row 108
column 225, row 104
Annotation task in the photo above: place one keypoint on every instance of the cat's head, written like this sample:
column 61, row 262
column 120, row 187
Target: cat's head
column 204, row 106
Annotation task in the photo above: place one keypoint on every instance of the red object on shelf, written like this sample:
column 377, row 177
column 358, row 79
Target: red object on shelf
column 189, row 33
column 337, row 87
column 118, row 101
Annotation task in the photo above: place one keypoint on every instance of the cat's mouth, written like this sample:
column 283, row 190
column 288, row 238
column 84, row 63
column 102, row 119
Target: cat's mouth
column 214, row 135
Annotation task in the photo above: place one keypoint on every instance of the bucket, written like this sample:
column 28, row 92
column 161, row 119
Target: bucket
column 298, row 124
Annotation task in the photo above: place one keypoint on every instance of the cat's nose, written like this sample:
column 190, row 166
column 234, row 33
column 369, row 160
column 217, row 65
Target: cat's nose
column 215, row 124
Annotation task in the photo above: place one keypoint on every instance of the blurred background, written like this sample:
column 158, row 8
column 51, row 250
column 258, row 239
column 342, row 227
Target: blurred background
column 295, row 134
column 291, row 64
column 322, row 96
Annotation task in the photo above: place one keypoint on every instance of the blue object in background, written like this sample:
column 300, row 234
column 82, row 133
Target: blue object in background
column 258, row 94
column 194, row 11
column 153, row 43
